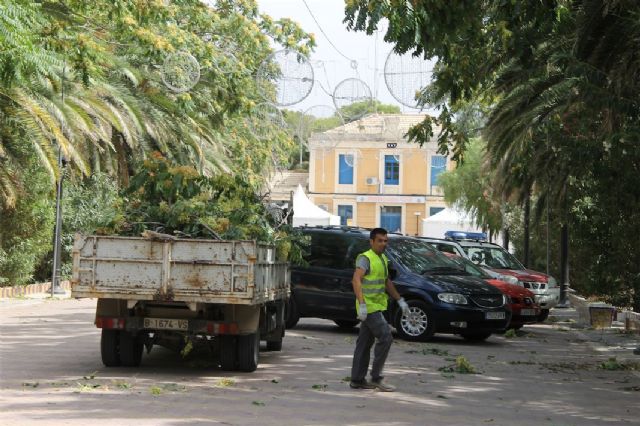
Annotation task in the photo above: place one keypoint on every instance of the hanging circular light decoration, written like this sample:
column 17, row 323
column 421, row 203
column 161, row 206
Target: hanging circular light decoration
column 265, row 121
column 351, row 91
column 405, row 75
column 352, row 158
column 323, row 122
column 291, row 74
column 180, row 71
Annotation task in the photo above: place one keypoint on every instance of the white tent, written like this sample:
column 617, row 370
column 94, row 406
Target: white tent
column 307, row 213
column 447, row 220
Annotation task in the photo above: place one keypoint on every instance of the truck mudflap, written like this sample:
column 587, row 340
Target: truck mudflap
column 190, row 326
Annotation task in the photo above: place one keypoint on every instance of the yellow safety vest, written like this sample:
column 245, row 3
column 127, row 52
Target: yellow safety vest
column 373, row 284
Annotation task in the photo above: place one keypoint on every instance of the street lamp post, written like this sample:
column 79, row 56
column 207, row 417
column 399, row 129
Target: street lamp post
column 57, row 239
column 417, row 223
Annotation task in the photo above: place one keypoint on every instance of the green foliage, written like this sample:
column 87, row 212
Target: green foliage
column 560, row 79
column 26, row 226
column 461, row 365
column 89, row 205
column 468, row 186
column 178, row 200
column 86, row 78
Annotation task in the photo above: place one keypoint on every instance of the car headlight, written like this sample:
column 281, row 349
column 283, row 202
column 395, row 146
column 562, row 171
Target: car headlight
column 509, row 279
column 506, row 299
column 455, row 298
column 552, row 282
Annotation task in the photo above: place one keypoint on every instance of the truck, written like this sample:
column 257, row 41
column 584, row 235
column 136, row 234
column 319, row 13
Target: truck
column 176, row 292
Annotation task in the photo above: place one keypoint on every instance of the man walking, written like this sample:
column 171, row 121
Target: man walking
column 371, row 284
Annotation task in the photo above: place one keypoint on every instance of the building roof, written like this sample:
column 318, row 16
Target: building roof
column 283, row 182
column 391, row 127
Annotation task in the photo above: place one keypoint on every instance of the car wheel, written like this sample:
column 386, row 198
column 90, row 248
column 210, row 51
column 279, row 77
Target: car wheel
column 346, row 323
column 476, row 337
column 418, row 326
column 291, row 315
column 544, row 314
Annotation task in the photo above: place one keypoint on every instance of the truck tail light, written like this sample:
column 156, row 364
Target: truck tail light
column 214, row 328
column 108, row 322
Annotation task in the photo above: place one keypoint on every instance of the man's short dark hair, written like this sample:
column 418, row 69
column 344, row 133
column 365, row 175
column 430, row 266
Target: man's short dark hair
column 377, row 231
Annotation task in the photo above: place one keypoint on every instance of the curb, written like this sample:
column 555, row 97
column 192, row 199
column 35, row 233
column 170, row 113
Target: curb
column 23, row 290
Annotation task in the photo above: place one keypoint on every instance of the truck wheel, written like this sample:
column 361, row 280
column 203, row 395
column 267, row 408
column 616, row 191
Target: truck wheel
column 292, row 316
column 476, row 337
column 544, row 314
column 346, row 323
column 418, row 326
column 110, row 347
column 228, row 353
column 276, row 345
column 130, row 349
column 248, row 352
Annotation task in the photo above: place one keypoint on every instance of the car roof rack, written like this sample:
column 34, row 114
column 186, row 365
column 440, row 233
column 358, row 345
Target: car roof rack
column 465, row 236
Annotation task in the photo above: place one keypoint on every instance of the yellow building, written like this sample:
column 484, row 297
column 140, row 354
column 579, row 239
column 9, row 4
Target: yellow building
column 366, row 173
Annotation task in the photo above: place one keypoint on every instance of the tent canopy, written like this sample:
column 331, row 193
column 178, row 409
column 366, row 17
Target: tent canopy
column 448, row 220
column 307, row 213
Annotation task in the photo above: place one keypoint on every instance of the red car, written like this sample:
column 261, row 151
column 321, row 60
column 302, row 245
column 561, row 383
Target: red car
column 523, row 306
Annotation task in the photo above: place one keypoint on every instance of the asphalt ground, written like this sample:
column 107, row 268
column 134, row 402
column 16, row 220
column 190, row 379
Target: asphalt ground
column 550, row 374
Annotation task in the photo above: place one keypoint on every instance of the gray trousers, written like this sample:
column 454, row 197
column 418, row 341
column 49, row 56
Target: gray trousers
column 374, row 327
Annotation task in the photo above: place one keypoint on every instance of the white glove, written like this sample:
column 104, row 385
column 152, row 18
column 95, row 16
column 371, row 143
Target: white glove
column 403, row 305
column 362, row 312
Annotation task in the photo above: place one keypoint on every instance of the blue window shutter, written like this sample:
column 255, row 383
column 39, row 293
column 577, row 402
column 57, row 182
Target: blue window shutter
column 391, row 170
column 345, row 172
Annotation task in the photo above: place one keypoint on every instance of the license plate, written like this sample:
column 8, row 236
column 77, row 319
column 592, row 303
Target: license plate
column 527, row 312
column 494, row 315
column 166, row 324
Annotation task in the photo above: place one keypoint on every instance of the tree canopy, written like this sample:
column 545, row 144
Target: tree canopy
column 559, row 80
column 87, row 78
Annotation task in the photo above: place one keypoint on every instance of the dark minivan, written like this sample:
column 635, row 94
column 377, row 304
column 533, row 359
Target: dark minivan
column 442, row 297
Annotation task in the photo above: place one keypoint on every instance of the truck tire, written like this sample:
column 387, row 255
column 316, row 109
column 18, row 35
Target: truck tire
column 228, row 353
column 419, row 326
column 292, row 316
column 110, row 347
column 130, row 349
column 248, row 352
column 276, row 345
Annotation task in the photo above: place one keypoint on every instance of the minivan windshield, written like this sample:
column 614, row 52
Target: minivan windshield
column 492, row 257
column 469, row 266
column 420, row 257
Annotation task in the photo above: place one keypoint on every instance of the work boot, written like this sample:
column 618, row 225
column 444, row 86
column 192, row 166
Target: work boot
column 362, row 384
column 381, row 386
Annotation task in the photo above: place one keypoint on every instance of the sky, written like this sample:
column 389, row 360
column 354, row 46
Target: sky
column 331, row 65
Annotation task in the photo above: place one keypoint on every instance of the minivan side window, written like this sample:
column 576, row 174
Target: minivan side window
column 328, row 250
column 356, row 247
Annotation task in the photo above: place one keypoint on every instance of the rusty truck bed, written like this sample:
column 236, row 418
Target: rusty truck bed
column 185, row 270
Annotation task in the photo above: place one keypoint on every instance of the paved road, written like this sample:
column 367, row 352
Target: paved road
column 50, row 373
